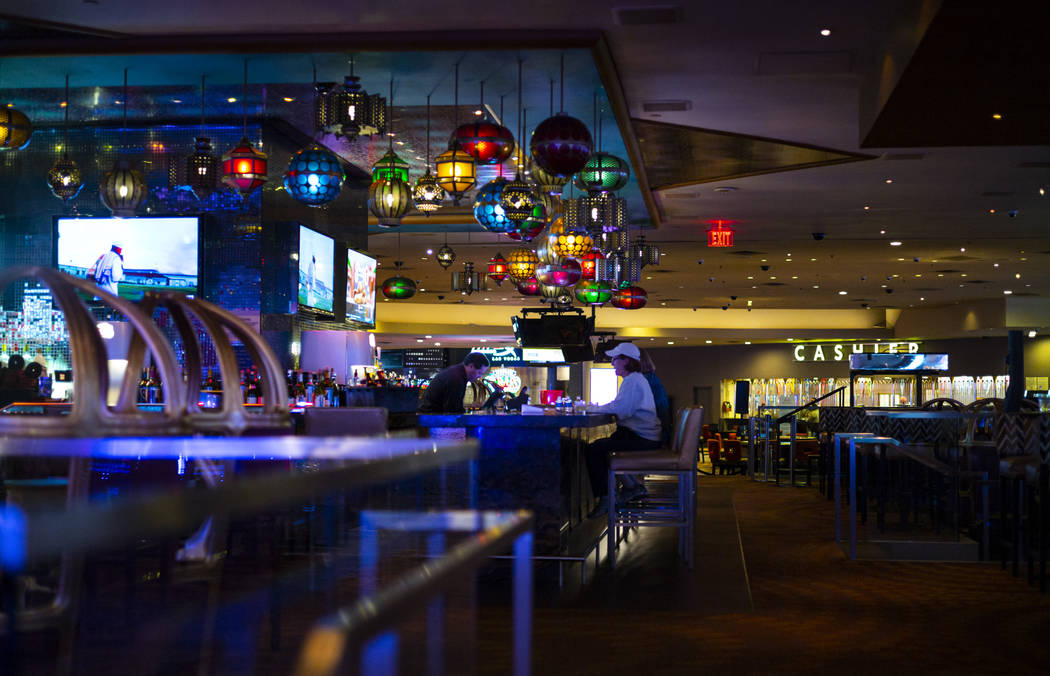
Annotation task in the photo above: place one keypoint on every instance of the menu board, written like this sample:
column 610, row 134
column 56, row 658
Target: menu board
column 316, row 272
column 360, row 288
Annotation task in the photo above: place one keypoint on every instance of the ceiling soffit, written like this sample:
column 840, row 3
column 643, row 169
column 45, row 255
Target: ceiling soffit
column 675, row 155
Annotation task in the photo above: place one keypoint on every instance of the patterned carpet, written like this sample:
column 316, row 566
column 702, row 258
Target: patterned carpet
column 814, row 610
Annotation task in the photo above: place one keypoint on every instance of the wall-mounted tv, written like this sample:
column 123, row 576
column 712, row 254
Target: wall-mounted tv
column 130, row 256
column 316, row 270
column 360, row 288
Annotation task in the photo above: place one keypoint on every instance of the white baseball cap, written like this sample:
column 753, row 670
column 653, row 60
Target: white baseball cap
column 624, row 350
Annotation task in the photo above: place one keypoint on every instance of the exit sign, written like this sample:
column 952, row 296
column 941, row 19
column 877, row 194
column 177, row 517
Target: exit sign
column 720, row 236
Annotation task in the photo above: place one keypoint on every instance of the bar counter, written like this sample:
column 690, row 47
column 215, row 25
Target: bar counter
column 531, row 462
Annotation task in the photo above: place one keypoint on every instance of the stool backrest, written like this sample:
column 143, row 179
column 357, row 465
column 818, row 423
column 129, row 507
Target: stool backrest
column 345, row 422
column 732, row 450
column 686, row 440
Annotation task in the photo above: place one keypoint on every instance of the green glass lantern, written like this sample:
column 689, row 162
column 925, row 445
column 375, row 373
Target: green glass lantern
column 388, row 200
column 390, row 165
column 593, row 292
column 399, row 287
column 602, row 174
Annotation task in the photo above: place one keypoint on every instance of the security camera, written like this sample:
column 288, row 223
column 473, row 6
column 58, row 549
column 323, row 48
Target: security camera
column 725, row 307
column 864, row 305
column 764, row 268
column 700, row 261
column 889, row 290
column 732, row 298
column 710, row 279
column 916, row 259
column 863, row 278
column 441, row 298
column 1012, row 213
column 817, row 235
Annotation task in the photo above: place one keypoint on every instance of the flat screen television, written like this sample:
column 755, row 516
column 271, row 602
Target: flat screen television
column 130, row 256
column 316, row 270
column 553, row 330
column 360, row 288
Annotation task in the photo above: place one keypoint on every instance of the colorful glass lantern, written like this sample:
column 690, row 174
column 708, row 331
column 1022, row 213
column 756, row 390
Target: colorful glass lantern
column 561, row 145
column 629, row 297
column 550, row 184
column 603, row 173
column 608, row 269
column 617, row 240
column 552, row 204
column 566, row 273
column 593, row 292
column 123, row 190
column 315, row 176
column 571, row 243
column 646, row 254
column 445, row 255
column 487, row 209
column 390, row 165
column 399, row 287
column 15, row 129
column 603, row 213
column 388, row 200
column 427, row 195
column 521, row 264
column 556, row 295
column 497, row 271
column 518, row 200
column 357, row 112
column 202, row 172
column 529, row 287
column 544, row 251
column 527, row 231
column 324, row 106
column 65, row 179
column 589, row 263
column 244, row 167
column 485, row 141
column 468, row 281
column 455, row 172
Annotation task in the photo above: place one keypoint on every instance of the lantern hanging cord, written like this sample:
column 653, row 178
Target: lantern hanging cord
column 552, row 97
column 202, row 104
column 65, row 142
column 244, row 100
column 124, row 127
column 390, row 118
column 521, row 124
column 455, row 100
column 563, row 82
column 428, row 133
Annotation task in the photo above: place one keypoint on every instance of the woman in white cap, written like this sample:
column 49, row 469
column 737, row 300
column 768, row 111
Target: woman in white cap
column 637, row 425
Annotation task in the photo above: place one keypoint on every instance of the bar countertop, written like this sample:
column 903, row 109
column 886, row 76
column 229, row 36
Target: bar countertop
column 514, row 420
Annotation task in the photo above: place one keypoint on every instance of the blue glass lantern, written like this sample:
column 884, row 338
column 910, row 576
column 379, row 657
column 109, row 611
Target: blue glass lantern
column 314, row 177
column 487, row 209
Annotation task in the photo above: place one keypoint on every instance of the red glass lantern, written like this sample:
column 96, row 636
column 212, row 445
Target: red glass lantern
column 530, row 287
column 399, row 288
column 564, row 274
column 589, row 263
column 487, row 142
column 498, row 269
column 561, row 145
column 630, row 297
column 244, row 167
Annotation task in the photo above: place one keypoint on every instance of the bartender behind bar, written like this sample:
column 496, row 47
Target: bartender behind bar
column 445, row 392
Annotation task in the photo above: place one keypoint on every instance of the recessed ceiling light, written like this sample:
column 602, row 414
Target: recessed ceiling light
column 895, row 243
column 1031, row 334
column 962, row 249
column 1007, row 292
column 825, row 32
column 922, row 299
column 478, row 112
column 176, row 100
column 428, row 337
column 794, row 276
column 1017, row 276
column 790, row 339
column 991, row 211
column 430, row 252
column 812, row 260
column 995, row 265
column 708, row 342
column 437, row 343
column 816, row 286
column 882, row 232
column 670, row 342
column 232, row 99
column 747, row 342
column 866, row 207
column 842, row 293
column 288, row 99
column 889, row 180
column 997, row 116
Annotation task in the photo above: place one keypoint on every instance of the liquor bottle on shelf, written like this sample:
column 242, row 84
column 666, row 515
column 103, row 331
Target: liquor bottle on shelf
column 153, row 389
column 143, row 388
column 252, row 388
column 244, row 389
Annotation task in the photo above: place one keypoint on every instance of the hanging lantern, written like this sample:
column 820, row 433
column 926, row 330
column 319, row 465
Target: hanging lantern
column 589, row 263
column 202, row 168
column 398, row 287
column 388, row 200
column 324, row 108
column 550, row 184
column 15, row 129
column 602, row 174
column 518, row 200
column 544, row 251
column 528, row 230
column 552, row 204
column 561, row 145
column 557, row 296
column 646, row 254
column 244, row 167
column 521, row 264
column 604, row 213
column 357, row 112
column 468, row 281
column 485, row 141
column 607, row 269
column 610, row 242
column 566, row 273
column 314, row 177
column 629, row 297
column 390, row 165
column 427, row 195
column 487, row 209
column 445, row 255
column 65, row 179
column 455, row 172
column 529, row 287
column 498, row 269
column 122, row 190
column 594, row 292
column 570, row 243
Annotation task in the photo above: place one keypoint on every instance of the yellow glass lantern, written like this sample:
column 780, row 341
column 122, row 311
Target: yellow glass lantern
column 455, row 172
column 521, row 264
column 15, row 129
column 570, row 243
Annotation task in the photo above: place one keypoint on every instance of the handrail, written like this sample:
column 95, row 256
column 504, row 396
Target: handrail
column 787, row 416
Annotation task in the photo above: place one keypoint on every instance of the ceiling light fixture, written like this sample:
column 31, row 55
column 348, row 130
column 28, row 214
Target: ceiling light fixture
column 895, row 243
column 123, row 189
column 202, row 167
column 65, row 179
column 390, row 195
column 825, row 32
column 428, row 194
column 456, row 171
column 244, row 167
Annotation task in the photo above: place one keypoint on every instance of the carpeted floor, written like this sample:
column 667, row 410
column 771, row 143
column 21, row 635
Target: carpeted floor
column 814, row 611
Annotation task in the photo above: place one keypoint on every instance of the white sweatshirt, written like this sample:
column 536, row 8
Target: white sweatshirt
column 634, row 407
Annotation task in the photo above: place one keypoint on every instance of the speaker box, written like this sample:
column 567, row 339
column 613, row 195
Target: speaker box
column 743, row 395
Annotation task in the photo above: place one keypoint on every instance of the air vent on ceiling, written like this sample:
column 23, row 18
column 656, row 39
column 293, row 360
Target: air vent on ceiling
column 659, row 271
column 958, row 258
column 774, row 284
column 997, row 193
column 679, row 195
column 745, row 252
column 647, row 16
column 670, row 106
column 947, row 272
column 904, row 156
column 977, row 281
column 1033, row 165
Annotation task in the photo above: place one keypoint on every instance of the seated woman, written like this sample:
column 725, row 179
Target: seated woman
column 637, row 425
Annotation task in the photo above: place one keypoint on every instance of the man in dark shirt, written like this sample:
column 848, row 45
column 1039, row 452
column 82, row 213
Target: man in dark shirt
column 445, row 392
